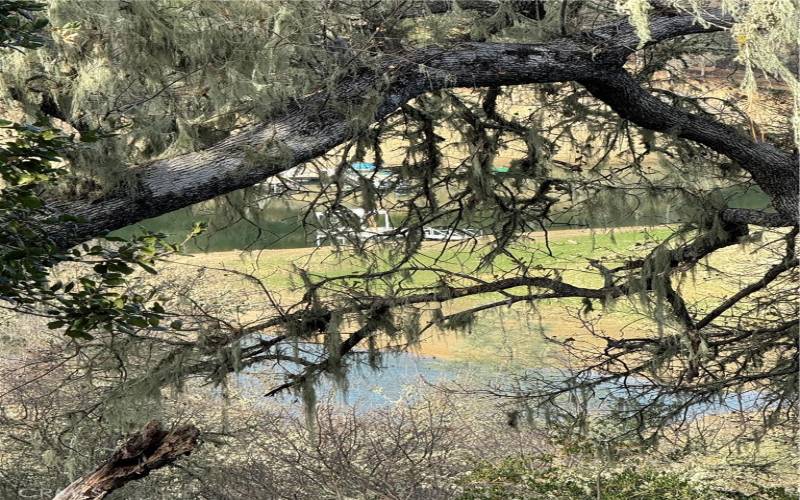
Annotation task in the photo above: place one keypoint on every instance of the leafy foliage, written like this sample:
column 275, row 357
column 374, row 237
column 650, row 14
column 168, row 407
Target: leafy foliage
column 31, row 160
column 19, row 26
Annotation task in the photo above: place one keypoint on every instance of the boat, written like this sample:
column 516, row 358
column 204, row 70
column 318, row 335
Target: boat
column 352, row 225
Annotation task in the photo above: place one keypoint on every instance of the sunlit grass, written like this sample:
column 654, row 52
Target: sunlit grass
column 509, row 336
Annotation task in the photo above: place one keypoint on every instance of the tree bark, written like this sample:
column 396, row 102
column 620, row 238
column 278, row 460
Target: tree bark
column 314, row 125
column 775, row 171
column 144, row 452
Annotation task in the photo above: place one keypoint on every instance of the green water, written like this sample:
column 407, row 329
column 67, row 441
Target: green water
column 278, row 223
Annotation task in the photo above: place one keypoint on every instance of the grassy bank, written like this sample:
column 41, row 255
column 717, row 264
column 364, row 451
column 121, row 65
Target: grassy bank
column 507, row 335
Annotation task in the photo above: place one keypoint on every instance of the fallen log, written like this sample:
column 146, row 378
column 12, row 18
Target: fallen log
column 147, row 450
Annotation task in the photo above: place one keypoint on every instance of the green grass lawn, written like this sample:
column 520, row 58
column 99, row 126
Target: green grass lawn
column 571, row 251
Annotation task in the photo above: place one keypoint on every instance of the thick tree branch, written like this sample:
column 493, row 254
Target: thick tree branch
column 314, row 125
column 534, row 9
column 756, row 217
column 775, row 171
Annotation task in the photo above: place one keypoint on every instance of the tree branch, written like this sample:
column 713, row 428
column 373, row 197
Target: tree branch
column 768, row 278
column 756, row 217
column 775, row 171
column 534, row 9
column 144, row 452
column 313, row 125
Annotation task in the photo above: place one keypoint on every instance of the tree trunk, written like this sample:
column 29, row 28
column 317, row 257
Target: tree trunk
column 144, row 452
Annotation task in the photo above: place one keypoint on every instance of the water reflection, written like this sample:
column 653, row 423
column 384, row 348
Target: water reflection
column 367, row 388
column 275, row 223
column 278, row 224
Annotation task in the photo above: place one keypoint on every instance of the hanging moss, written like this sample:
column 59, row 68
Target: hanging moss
column 308, row 394
column 411, row 325
column 335, row 367
column 637, row 14
column 459, row 322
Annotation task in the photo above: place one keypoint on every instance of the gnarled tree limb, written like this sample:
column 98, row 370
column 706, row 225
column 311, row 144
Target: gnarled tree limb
column 144, row 452
column 314, row 125
column 775, row 171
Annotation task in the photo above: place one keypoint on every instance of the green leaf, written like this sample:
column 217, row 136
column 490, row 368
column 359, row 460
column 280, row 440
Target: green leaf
column 137, row 321
column 49, row 135
column 147, row 268
column 79, row 334
column 30, row 201
column 115, row 281
column 198, row 228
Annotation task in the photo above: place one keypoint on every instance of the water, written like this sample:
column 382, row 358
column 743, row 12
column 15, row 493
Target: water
column 399, row 375
column 403, row 374
column 278, row 223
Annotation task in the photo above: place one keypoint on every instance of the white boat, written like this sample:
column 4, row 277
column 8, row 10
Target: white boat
column 371, row 225
column 445, row 234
